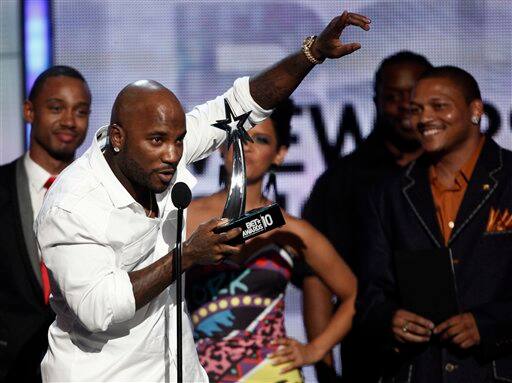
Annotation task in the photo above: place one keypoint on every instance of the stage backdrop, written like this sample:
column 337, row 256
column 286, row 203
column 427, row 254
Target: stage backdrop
column 197, row 49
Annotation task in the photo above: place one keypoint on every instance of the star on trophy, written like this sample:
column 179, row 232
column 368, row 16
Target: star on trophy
column 254, row 222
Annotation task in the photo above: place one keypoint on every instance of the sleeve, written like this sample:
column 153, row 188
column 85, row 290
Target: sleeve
column 377, row 300
column 494, row 321
column 202, row 138
column 83, row 270
column 314, row 210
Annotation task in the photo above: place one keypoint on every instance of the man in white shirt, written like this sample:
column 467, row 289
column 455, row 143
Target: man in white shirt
column 107, row 227
column 58, row 111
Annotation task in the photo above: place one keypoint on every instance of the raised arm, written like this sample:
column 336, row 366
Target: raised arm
column 278, row 82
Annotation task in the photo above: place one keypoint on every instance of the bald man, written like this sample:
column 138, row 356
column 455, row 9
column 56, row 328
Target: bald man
column 107, row 229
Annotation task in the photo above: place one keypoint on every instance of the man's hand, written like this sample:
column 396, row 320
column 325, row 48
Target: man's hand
column 461, row 330
column 205, row 247
column 277, row 83
column 408, row 327
column 328, row 43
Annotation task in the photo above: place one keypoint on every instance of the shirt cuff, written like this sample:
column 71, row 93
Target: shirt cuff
column 124, row 302
column 242, row 95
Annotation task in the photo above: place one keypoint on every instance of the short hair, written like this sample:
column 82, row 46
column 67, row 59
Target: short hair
column 399, row 58
column 281, row 117
column 462, row 79
column 54, row 71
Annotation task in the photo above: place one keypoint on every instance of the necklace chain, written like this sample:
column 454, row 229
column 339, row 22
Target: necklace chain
column 150, row 204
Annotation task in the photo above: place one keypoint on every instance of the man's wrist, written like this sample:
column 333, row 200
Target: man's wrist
column 311, row 51
column 317, row 54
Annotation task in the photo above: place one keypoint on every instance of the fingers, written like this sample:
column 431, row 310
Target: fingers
column 286, row 353
column 230, row 234
column 404, row 315
column 215, row 222
column 349, row 18
column 409, row 327
column 460, row 330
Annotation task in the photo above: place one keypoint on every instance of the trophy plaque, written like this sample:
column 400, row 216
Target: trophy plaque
column 254, row 222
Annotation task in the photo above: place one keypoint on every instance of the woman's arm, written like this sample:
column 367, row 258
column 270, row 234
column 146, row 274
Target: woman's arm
column 329, row 266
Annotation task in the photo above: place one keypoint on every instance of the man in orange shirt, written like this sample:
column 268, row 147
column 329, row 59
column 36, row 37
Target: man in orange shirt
column 456, row 197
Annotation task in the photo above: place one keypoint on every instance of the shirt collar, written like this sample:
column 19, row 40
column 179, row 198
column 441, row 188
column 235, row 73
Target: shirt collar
column 117, row 192
column 36, row 174
column 462, row 176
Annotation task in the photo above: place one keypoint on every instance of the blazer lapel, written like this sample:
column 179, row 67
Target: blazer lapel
column 27, row 223
column 418, row 194
column 481, row 186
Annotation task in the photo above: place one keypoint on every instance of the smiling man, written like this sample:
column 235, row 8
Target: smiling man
column 107, row 229
column 453, row 202
column 58, row 110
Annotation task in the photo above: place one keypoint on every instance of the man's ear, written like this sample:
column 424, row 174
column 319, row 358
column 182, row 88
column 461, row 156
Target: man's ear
column 281, row 154
column 117, row 136
column 28, row 112
column 476, row 108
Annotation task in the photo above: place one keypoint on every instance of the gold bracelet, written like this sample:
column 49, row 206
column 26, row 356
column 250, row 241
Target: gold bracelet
column 306, row 48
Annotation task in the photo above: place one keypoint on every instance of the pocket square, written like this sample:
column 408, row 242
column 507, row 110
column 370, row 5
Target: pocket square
column 499, row 220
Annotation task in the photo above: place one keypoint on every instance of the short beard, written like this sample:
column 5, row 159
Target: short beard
column 136, row 174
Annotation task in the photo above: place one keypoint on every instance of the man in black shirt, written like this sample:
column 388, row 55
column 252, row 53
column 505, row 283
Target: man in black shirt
column 332, row 206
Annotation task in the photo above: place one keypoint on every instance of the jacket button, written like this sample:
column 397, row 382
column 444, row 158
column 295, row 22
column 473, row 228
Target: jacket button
column 450, row 367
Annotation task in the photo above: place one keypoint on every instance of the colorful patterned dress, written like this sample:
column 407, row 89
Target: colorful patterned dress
column 237, row 312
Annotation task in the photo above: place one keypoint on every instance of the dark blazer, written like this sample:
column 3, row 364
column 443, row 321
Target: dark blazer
column 24, row 318
column 400, row 216
column 332, row 209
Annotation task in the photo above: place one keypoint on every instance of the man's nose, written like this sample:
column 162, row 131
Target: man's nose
column 405, row 102
column 172, row 154
column 68, row 119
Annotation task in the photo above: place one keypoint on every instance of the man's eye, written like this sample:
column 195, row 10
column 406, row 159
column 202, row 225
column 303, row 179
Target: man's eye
column 414, row 110
column 438, row 106
column 156, row 140
column 55, row 108
column 392, row 97
column 83, row 112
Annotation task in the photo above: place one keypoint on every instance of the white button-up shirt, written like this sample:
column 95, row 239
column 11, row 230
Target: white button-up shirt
column 91, row 233
column 37, row 177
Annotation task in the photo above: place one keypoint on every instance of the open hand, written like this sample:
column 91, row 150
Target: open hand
column 328, row 43
column 408, row 327
column 461, row 330
column 206, row 247
column 294, row 354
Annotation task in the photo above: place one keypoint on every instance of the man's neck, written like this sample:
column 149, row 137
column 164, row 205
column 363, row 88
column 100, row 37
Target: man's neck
column 46, row 161
column 402, row 156
column 448, row 164
column 139, row 193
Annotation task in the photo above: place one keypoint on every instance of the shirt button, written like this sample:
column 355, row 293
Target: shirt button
column 450, row 367
column 451, row 224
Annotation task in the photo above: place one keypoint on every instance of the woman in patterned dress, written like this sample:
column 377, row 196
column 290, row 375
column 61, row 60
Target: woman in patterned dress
column 237, row 306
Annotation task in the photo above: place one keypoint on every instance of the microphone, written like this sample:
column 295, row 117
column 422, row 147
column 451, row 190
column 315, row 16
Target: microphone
column 181, row 197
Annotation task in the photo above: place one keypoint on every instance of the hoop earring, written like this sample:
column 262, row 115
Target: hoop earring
column 222, row 175
column 272, row 180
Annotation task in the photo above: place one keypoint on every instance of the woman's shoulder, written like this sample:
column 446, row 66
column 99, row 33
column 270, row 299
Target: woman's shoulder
column 296, row 225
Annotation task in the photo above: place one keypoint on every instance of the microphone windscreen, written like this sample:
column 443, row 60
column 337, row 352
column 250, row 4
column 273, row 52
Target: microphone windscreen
column 181, row 195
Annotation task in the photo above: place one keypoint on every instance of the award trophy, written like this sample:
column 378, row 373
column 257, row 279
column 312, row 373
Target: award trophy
column 254, row 222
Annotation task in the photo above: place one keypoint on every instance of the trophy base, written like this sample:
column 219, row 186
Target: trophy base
column 254, row 223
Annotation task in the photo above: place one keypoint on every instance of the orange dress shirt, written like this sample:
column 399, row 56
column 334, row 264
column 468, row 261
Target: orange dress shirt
column 447, row 200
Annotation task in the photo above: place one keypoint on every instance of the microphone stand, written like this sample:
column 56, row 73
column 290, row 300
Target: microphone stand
column 179, row 324
column 181, row 196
